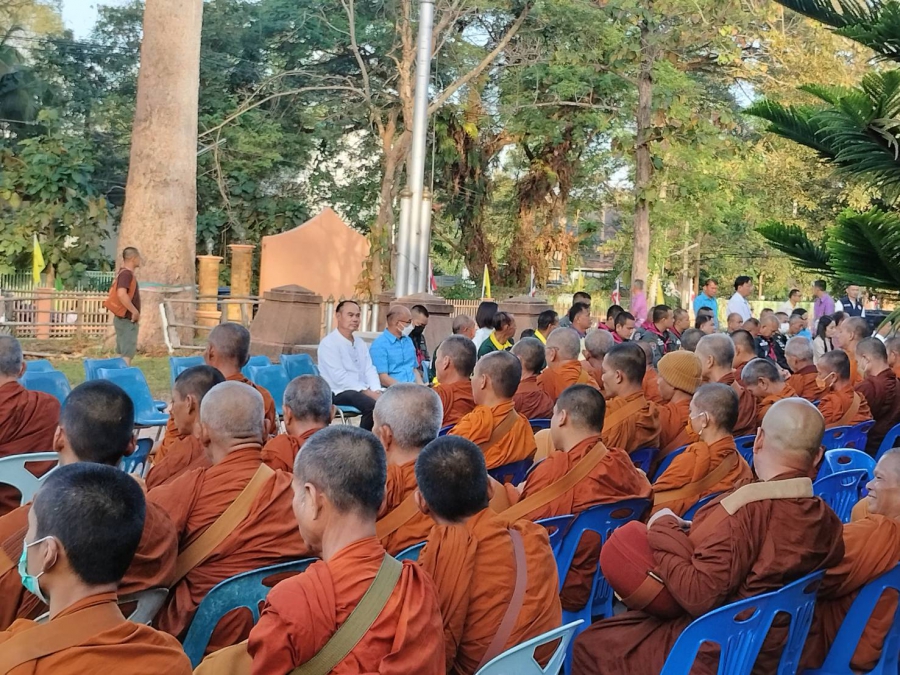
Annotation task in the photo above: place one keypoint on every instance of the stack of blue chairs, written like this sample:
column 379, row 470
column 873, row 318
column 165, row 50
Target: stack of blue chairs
column 47, row 380
column 272, row 378
column 178, row 364
column 255, row 361
column 146, row 410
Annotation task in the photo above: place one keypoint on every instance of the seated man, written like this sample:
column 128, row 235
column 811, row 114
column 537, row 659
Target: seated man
column 881, row 389
column 530, row 399
column 393, row 352
column 751, row 326
column 770, row 343
column 892, row 345
column 650, row 385
column 656, row 332
column 710, row 465
column 464, row 326
column 495, row 426
column 848, row 335
column 744, row 351
column 27, row 418
column 96, row 425
column 800, row 355
column 75, row 565
column 734, row 322
column 307, row 409
column 501, row 337
column 596, row 345
column 691, row 337
column 763, row 379
column 752, row 541
column 716, row 354
column 840, row 405
column 563, row 367
column 576, row 427
column 678, row 378
column 681, row 321
column 632, row 422
column 454, row 365
column 623, row 330
column 473, row 555
column 185, row 452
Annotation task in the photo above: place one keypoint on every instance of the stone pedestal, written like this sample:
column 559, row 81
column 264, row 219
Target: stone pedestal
column 241, row 274
column 289, row 321
column 526, row 310
column 208, row 313
column 440, row 314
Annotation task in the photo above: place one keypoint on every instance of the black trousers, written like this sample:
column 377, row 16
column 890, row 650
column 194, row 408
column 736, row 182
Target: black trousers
column 357, row 399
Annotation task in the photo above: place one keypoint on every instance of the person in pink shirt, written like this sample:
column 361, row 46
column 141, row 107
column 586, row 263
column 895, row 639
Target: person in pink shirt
column 638, row 302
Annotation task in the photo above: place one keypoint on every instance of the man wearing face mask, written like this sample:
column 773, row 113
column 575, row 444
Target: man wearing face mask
column 393, row 352
column 417, row 335
column 839, row 404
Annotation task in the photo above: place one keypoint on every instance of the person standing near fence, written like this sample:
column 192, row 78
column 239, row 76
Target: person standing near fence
column 124, row 302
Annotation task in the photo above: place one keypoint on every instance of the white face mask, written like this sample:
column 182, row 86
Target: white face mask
column 784, row 327
column 407, row 330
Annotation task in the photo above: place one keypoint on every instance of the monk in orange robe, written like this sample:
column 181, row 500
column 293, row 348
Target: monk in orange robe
column 800, row 355
column 716, row 354
column 679, row 377
column 473, row 556
column 632, row 422
column 186, row 452
column 232, row 429
column 650, row 384
column 848, row 335
column 454, row 364
column 744, row 352
column 596, row 344
column 840, row 405
column 712, row 464
column 751, row 541
column 892, row 344
column 77, row 567
column 576, row 428
column 27, row 418
column 495, row 426
column 881, row 389
column 563, row 366
column 96, row 426
column 307, row 409
column 764, row 380
column 530, row 399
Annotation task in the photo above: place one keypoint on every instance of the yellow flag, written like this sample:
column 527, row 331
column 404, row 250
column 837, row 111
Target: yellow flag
column 38, row 263
column 486, row 284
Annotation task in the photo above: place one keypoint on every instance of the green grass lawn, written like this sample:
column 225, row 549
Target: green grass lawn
column 155, row 369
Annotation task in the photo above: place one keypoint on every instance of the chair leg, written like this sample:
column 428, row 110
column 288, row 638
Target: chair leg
column 341, row 414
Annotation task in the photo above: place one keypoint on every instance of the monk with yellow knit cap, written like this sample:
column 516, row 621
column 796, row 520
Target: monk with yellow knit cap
column 678, row 378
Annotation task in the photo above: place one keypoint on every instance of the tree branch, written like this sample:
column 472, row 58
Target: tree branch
column 350, row 9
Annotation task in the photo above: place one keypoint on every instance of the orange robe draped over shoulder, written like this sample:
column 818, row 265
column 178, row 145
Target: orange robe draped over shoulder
column 532, row 401
column 835, row 403
column 650, row 385
column 882, row 392
column 184, row 454
column 771, row 400
column 401, row 483
column 640, row 430
column 473, row 566
column 280, row 452
column 746, row 423
column 673, row 426
column 855, row 376
column 457, row 400
column 804, row 383
column 271, row 414
column 516, row 445
column 170, row 438
column 555, row 379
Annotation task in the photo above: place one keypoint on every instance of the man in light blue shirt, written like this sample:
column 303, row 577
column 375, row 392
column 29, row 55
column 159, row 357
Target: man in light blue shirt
column 707, row 298
column 393, row 353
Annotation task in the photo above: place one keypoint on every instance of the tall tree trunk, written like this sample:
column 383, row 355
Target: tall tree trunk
column 160, row 214
column 643, row 167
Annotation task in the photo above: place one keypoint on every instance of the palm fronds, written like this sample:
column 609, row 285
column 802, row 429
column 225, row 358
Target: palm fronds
column 794, row 242
column 866, row 247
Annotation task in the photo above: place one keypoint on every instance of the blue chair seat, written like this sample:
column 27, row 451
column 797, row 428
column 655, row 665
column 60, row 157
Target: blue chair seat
column 539, row 424
column 744, row 445
column 512, row 473
column 298, row 364
column 132, row 381
column 255, row 361
column 841, row 491
column 273, row 379
column 345, row 411
column 643, row 458
column 446, row 430
column 51, row 382
column 890, row 440
column 843, row 459
column 13, row 472
column 411, row 553
column 179, row 364
column 520, row 660
column 666, row 461
column 847, row 437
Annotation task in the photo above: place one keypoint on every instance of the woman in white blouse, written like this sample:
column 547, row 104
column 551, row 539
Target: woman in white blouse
column 484, row 317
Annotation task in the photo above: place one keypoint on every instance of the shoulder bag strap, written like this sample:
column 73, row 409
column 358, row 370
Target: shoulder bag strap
column 358, row 623
column 225, row 524
column 697, row 488
column 505, row 426
column 851, row 411
column 398, row 517
column 616, row 417
column 583, row 377
column 508, row 624
column 9, row 561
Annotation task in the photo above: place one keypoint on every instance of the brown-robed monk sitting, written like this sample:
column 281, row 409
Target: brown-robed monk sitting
column 75, row 565
column 454, row 363
column 881, row 389
column 632, row 422
column 744, row 352
column 800, row 355
column 96, row 425
column 576, row 426
column 750, row 541
column 307, row 409
column 563, row 366
column 232, row 429
column 840, row 405
column 650, row 385
column 710, row 465
column 892, row 345
column 764, row 380
column 596, row 344
column 185, row 452
column 678, row 378
column 484, row 568
column 716, row 354
column 530, row 399
column 495, row 426
column 27, row 418
column 848, row 335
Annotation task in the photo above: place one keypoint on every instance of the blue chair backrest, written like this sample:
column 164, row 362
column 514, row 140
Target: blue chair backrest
column 556, row 527
column 843, row 459
column 51, row 382
column 520, row 659
column 691, row 512
column 512, row 473
column 273, row 379
column 92, row 366
column 446, row 430
column 842, row 649
column 539, row 424
column 255, row 361
column 889, row 441
column 179, row 364
column 244, row 590
column 298, row 364
column 135, row 385
column 411, row 553
column 666, row 461
column 38, row 366
column 841, row 491
column 740, row 637
column 13, row 472
column 136, row 462
column 744, row 445
column 643, row 458
column 847, row 437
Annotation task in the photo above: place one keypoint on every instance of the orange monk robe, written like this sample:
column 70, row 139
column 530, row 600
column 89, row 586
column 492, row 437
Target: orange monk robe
column 674, row 431
column 615, row 478
column 804, row 383
column 650, row 385
column 896, row 370
column 456, row 398
column 473, row 566
column 280, row 452
column 170, row 438
column 478, row 425
column 739, row 369
column 747, row 407
column 639, row 430
column 28, row 421
column 532, row 401
column 401, row 483
column 772, row 399
column 882, row 392
column 153, row 565
column 127, row 648
column 184, row 454
column 268, row 402
column 695, row 463
column 268, row 535
column 855, row 376
column 835, row 403
column 556, row 378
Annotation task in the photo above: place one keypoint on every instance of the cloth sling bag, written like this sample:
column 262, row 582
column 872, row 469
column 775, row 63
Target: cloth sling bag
column 697, row 488
column 505, row 426
column 112, row 302
column 583, row 377
column 851, row 412
column 616, row 417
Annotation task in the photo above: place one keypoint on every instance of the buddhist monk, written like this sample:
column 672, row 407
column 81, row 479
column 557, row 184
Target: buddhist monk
column 75, row 565
column 232, row 429
column 892, row 345
column 744, row 351
column 27, row 418
column 716, row 354
column 881, row 389
column 712, row 464
column 800, row 358
column 764, row 380
column 632, row 422
column 563, row 367
column 650, row 383
column 474, row 555
column 679, row 377
column 495, row 426
column 848, row 335
column 454, row 365
column 751, row 541
column 576, row 426
column 307, row 409
column 596, row 344
column 691, row 337
column 185, row 452
column 530, row 399
column 840, row 405
column 96, row 425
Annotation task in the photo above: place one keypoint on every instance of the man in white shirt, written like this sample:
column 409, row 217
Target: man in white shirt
column 345, row 364
column 743, row 287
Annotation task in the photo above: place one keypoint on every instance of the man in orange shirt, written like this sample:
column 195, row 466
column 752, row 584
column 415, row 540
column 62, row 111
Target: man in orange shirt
column 799, row 355
column 454, row 365
column 632, row 422
column 530, row 399
column 307, row 409
column 763, row 379
column 563, row 367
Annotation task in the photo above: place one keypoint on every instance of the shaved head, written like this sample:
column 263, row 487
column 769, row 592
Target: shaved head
column 197, row 381
column 836, row 362
column 720, row 402
column 856, row 328
column 232, row 412
column 769, row 320
column 717, row 346
column 892, row 345
column 598, row 343
column 884, row 491
column 792, row 430
column 648, row 351
column 503, row 370
column 567, row 343
column 461, row 352
column 230, row 342
column 690, row 338
column 801, row 349
column 584, row 406
column 873, row 350
column 452, row 478
column 10, row 356
column 98, row 420
column 761, row 369
column 130, row 253
column 412, row 412
column 743, row 341
column 530, row 352
column 462, row 323
column 308, row 397
column 629, row 359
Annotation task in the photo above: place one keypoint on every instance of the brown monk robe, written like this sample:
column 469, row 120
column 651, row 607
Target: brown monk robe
column 232, row 430
column 503, row 435
column 454, row 363
column 744, row 352
column 840, row 405
column 763, row 378
column 881, row 389
column 800, row 356
column 892, row 345
column 95, row 426
column 632, row 422
column 476, row 559
column 576, row 427
column 307, row 409
column 563, row 366
column 712, row 464
column 86, row 632
column 679, row 377
column 871, row 548
column 530, row 399
column 716, row 354
column 748, row 542
column 596, row 344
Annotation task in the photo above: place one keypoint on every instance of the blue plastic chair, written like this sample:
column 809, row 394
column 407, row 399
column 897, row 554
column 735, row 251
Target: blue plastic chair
column 512, row 473
column 446, row 430
column 39, row 366
column 146, row 413
column 347, row 411
column 841, row 491
column 298, row 364
column 136, row 462
column 666, row 461
column 243, row 590
column 520, row 659
column 740, row 637
column 691, row 512
column 844, row 459
column 51, row 382
column 179, row 364
column 889, row 441
column 255, row 361
column 643, row 458
column 744, row 445
column 93, row 366
column 411, row 553
column 847, row 437
column 556, row 527
column 13, row 472
column 539, row 424
column 274, row 379
column 838, row 660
